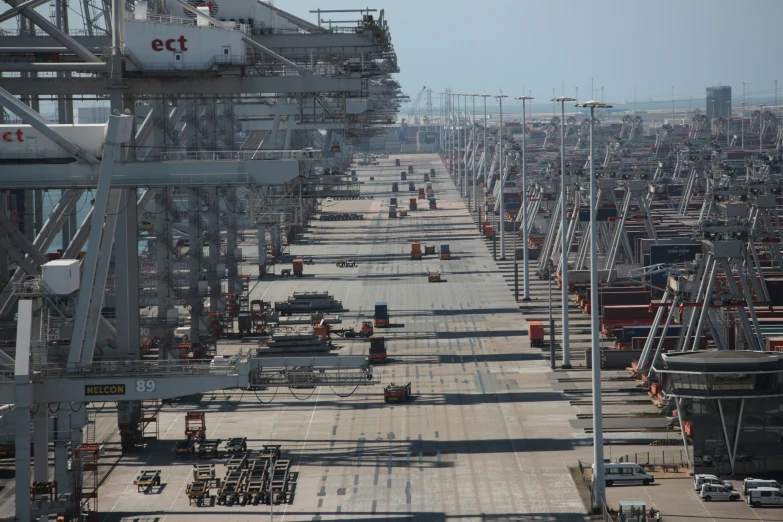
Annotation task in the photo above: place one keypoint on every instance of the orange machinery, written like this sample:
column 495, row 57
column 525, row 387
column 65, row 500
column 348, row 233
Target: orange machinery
column 298, row 267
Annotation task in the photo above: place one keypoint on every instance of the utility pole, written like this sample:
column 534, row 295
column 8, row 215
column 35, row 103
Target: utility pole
column 502, row 181
column 563, row 236
column 598, row 438
column 525, row 259
column 484, row 163
column 475, row 149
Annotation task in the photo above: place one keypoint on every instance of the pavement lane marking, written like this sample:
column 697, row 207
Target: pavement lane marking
column 304, row 445
column 144, row 465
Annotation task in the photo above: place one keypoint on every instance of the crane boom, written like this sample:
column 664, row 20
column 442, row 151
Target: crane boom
column 415, row 106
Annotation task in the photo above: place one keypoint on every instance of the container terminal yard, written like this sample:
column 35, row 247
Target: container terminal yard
column 268, row 283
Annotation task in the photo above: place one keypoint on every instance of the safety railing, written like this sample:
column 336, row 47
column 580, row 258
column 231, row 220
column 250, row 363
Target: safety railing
column 183, row 67
column 121, row 369
column 186, row 21
column 296, row 378
column 242, row 155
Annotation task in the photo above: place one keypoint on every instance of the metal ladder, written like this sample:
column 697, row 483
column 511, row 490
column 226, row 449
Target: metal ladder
column 89, row 434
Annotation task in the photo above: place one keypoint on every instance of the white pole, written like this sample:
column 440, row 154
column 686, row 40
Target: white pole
column 475, row 148
column 564, row 244
column 502, row 199
column 465, row 192
column 598, row 442
column 484, row 166
column 525, row 259
column 460, row 141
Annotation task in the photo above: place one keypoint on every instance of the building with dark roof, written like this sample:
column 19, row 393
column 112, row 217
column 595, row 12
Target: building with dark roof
column 734, row 402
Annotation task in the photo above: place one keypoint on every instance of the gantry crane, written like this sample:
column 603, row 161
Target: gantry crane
column 406, row 121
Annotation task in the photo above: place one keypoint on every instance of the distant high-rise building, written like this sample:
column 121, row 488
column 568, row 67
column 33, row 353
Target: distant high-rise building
column 718, row 102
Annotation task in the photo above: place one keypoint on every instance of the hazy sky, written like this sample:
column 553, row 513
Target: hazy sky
column 652, row 45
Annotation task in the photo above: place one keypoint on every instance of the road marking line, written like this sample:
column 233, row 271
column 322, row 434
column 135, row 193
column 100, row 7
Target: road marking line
column 307, row 434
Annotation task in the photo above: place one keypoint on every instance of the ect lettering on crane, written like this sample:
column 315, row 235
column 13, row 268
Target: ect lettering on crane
column 8, row 137
column 169, row 44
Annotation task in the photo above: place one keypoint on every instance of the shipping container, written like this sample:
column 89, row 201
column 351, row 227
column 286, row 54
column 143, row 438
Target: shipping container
column 774, row 344
column 61, row 276
column 615, row 317
column 298, row 266
column 535, row 330
column 619, row 298
column 627, row 333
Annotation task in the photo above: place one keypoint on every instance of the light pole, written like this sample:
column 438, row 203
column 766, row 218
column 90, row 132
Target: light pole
column 761, row 115
column 473, row 155
column 454, row 138
column 598, row 436
column 564, row 234
column 459, row 148
column 525, row 259
column 484, row 160
column 502, row 181
column 465, row 192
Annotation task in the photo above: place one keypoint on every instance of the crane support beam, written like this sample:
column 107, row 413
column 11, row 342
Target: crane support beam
column 153, row 174
column 112, row 381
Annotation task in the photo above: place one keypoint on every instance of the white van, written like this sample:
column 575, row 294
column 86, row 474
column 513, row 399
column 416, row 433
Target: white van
column 625, row 472
column 764, row 497
column 754, row 483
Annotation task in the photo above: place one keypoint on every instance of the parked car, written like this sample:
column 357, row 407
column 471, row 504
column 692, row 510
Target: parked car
column 702, row 479
column 710, row 492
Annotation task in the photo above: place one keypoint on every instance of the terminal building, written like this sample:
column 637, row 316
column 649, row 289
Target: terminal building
column 736, row 400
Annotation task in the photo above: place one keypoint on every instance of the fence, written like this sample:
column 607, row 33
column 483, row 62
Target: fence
column 663, row 459
column 589, row 483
